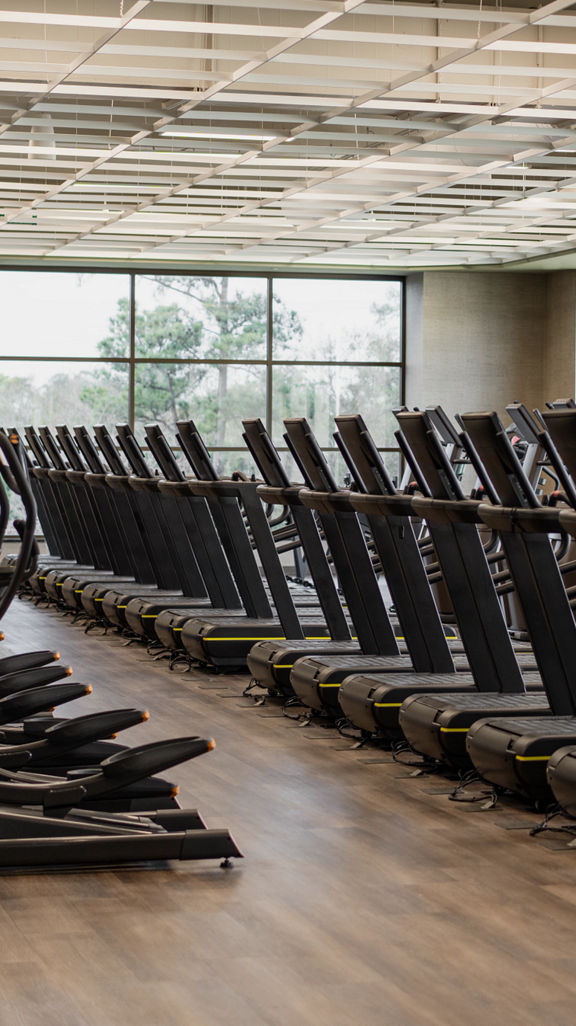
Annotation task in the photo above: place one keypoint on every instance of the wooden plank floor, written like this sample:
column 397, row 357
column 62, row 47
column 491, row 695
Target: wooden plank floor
column 364, row 899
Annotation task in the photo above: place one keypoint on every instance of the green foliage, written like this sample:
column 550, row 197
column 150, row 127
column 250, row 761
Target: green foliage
column 167, row 332
column 17, row 399
column 388, row 317
column 64, row 397
column 190, row 325
column 208, row 323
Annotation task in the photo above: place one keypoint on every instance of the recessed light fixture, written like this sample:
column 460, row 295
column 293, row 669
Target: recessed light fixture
column 113, row 186
column 192, row 134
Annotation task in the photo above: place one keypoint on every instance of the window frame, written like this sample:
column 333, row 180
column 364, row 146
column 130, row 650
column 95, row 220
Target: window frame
column 132, row 360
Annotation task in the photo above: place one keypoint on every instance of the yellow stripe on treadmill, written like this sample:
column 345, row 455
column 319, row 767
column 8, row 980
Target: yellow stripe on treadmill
column 242, row 637
column 387, row 705
column 454, row 730
column 532, row 758
column 282, row 666
column 260, row 637
column 148, row 616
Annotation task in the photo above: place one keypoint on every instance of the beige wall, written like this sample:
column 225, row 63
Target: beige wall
column 560, row 357
column 479, row 341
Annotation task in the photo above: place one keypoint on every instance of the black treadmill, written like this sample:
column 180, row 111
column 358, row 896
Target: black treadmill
column 106, row 513
column 140, row 521
column 101, row 522
column 513, row 752
column 183, row 580
column 123, row 527
column 178, row 518
column 202, row 535
column 223, row 570
column 130, row 536
column 271, row 663
column 225, row 641
column 317, row 679
column 437, row 725
column 50, row 820
column 373, row 703
column 61, row 516
column 561, row 769
column 234, row 539
column 164, row 533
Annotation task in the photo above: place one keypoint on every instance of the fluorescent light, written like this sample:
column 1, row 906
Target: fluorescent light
column 104, row 187
column 77, row 20
column 51, row 150
column 169, row 156
column 216, row 135
column 534, row 203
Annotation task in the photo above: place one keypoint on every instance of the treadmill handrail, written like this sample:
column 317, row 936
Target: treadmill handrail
column 162, row 453
column 354, row 476
column 88, row 450
column 264, row 453
column 424, row 442
column 524, row 422
column 495, row 451
column 131, row 449
column 561, row 447
column 195, row 451
column 35, row 444
column 18, row 470
column 478, row 467
column 550, row 448
column 109, row 450
column 362, row 451
column 443, row 425
column 311, row 460
column 70, row 448
column 52, row 449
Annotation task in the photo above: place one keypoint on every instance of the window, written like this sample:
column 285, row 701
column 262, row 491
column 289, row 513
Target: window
column 155, row 347
column 51, row 350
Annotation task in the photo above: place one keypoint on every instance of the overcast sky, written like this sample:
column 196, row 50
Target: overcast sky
column 66, row 314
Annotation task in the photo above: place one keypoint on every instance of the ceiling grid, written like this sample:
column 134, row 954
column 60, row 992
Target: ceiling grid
column 341, row 133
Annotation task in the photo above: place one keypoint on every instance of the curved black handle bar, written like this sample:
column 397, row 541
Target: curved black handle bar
column 8, row 449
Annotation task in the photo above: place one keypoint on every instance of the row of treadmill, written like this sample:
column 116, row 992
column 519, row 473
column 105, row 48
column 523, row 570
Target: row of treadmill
column 71, row 797
column 437, row 612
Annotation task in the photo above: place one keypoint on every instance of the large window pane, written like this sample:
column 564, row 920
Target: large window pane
column 63, row 314
column 321, row 392
column 216, row 397
column 62, row 392
column 202, row 319
column 213, row 318
column 321, row 319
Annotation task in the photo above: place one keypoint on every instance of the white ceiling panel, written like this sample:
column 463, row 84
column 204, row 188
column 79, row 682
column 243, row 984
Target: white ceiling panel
column 338, row 132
